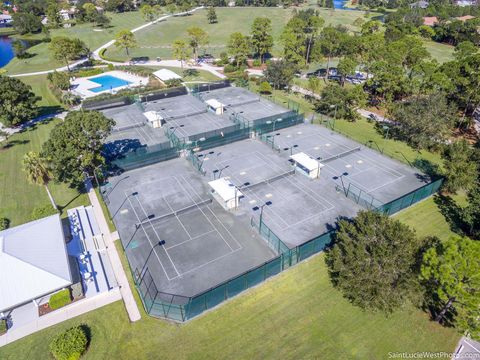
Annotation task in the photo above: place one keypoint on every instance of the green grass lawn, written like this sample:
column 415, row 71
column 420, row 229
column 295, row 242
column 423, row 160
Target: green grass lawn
column 156, row 41
column 441, row 52
column 39, row 84
column 18, row 197
column 295, row 315
column 427, row 220
column 85, row 32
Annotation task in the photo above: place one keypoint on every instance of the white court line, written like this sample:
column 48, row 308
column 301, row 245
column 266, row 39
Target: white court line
column 213, row 260
column 148, row 238
column 320, row 199
column 201, row 210
column 176, row 217
column 156, row 233
column 471, row 345
column 213, row 213
column 193, row 238
column 364, row 151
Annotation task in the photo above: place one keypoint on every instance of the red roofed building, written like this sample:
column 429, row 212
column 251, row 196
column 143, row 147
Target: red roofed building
column 430, row 20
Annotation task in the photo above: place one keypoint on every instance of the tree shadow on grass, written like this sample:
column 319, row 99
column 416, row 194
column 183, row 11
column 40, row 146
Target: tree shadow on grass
column 451, row 211
column 12, row 143
column 63, row 207
column 47, row 110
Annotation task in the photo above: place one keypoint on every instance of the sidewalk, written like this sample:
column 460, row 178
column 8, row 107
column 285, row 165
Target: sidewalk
column 68, row 312
column 125, row 290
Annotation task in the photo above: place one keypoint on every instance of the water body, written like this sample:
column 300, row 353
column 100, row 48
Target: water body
column 340, row 5
column 6, row 50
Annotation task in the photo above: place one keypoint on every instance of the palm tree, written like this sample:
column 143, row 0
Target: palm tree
column 38, row 172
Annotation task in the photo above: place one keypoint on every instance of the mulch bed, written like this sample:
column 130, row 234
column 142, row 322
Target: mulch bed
column 45, row 309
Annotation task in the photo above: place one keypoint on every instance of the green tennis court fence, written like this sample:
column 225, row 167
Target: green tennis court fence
column 359, row 196
column 181, row 308
column 196, row 162
column 411, row 198
column 144, row 156
column 367, row 201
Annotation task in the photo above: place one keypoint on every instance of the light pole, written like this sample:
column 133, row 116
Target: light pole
column 274, row 122
column 341, row 180
column 219, row 171
column 174, row 128
column 268, row 203
column 273, row 139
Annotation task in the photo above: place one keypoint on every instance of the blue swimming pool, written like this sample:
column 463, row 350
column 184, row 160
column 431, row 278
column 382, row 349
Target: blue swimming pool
column 107, row 82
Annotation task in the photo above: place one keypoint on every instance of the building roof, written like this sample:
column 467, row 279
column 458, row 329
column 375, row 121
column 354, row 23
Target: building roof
column 33, row 261
column 465, row 18
column 152, row 116
column 306, row 161
column 214, row 103
column 225, row 189
column 422, row 4
column 165, row 75
column 430, row 20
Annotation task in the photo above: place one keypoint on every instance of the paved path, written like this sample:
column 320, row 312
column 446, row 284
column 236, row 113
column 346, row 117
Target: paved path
column 126, row 291
column 306, row 92
column 373, row 116
column 68, row 312
column 467, row 349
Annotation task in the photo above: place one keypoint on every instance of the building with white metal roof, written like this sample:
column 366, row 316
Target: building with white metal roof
column 33, row 262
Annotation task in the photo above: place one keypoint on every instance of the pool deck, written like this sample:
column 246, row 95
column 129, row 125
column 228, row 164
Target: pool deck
column 83, row 86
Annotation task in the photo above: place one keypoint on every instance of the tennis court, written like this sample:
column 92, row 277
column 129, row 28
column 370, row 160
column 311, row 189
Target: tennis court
column 169, row 225
column 176, row 107
column 241, row 101
column 200, row 125
column 348, row 161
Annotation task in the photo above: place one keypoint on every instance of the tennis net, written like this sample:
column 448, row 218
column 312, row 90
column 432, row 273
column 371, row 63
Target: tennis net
column 342, row 154
column 246, row 102
column 128, row 127
column 198, row 112
column 174, row 213
column 270, row 180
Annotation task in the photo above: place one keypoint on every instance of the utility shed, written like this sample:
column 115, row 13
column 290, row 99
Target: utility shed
column 216, row 106
column 307, row 165
column 226, row 193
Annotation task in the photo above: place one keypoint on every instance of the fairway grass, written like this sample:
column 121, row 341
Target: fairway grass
column 85, row 32
column 39, row 84
column 18, row 197
column 155, row 41
column 440, row 52
column 295, row 315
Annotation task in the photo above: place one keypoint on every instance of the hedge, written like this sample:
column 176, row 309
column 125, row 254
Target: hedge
column 59, row 299
column 69, row 345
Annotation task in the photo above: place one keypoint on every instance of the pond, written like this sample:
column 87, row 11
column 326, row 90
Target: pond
column 6, row 50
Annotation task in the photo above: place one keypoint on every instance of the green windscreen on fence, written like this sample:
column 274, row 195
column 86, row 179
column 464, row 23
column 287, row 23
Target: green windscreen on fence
column 145, row 155
column 411, row 198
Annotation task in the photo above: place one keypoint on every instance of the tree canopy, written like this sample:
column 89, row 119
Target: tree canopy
column 450, row 272
column 374, row 261
column 460, row 171
column 280, row 73
column 424, row 122
column 17, row 101
column 75, row 145
column 125, row 40
column 197, row 37
column 261, row 38
column 67, row 49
